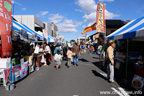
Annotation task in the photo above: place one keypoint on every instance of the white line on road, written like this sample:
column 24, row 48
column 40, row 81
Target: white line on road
column 123, row 91
column 104, row 74
column 119, row 93
column 75, row 95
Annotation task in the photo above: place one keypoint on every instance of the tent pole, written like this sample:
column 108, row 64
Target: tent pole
column 127, row 61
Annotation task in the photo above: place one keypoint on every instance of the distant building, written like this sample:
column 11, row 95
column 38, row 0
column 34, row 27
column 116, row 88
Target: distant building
column 31, row 21
column 111, row 26
column 80, row 39
column 54, row 29
column 61, row 38
column 47, row 29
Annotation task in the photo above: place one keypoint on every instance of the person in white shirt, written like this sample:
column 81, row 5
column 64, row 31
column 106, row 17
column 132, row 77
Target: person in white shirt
column 47, row 54
column 58, row 59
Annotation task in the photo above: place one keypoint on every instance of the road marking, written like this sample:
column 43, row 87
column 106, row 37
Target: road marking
column 104, row 74
column 75, row 95
column 123, row 91
column 119, row 93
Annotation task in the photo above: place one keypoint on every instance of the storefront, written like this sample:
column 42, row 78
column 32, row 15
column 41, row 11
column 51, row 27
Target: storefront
column 129, row 58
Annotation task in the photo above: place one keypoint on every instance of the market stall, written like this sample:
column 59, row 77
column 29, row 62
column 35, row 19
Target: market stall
column 129, row 54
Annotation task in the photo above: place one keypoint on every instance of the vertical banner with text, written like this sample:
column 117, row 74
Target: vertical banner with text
column 100, row 18
column 6, row 27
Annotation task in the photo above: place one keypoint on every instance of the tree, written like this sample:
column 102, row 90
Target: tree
column 72, row 41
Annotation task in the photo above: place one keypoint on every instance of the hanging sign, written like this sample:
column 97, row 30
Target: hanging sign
column 100, row 18
column 6, row 27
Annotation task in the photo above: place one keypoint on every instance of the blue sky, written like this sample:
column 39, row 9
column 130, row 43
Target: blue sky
column 72, row 16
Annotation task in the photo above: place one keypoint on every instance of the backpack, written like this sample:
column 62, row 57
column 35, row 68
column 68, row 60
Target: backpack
column 82, row 46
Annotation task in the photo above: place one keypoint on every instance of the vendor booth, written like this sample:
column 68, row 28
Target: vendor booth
column 22, row 52
column 129, row 58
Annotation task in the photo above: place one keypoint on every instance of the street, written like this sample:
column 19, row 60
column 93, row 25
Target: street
column 83, row 80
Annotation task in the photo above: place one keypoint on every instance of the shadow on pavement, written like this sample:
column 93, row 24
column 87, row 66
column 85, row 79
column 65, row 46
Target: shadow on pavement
column 99, row 65
column 98, row 74
column 95, row 57
column 83, row 60
column 118, row 80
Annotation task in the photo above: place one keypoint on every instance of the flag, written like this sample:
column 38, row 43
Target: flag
column 6, row 27
column 90, row 28
column 100, row 18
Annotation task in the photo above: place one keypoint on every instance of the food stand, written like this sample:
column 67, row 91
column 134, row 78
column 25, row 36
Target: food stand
column 130, row 39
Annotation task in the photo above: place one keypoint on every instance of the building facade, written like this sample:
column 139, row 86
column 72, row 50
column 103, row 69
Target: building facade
column 31, row 21
column 111, row 26
column 47, row 29
column 54, row 29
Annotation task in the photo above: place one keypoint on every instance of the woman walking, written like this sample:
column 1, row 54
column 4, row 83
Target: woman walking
column 76, row 53
column 47, row 54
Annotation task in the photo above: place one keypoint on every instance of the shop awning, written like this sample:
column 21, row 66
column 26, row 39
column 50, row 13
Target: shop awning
column 40, row 35
column 134, row 28
column 50, row 39
column 20, row 30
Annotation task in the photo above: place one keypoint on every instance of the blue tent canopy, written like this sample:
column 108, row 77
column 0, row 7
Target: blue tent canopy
column 17, row 26
column 50, row 39
column 134, row 28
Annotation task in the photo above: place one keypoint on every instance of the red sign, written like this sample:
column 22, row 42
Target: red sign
column 6, row 27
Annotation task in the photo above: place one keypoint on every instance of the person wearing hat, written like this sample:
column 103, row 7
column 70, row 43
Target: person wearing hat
column 110, row 61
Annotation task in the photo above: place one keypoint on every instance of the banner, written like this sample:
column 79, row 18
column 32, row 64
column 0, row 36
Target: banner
column 100, row 18
column 17, row 73
column 6, row 27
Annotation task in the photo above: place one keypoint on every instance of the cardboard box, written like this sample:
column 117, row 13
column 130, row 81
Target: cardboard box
column 5, row 63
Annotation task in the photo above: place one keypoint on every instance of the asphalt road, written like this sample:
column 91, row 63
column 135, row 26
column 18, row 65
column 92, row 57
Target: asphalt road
column 83, row 80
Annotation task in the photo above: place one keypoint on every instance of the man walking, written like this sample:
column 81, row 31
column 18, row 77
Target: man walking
column 110, row 61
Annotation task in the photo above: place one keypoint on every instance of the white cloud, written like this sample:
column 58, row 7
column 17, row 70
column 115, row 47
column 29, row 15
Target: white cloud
column 89, row 8
column 64, row 24
column 68, row 26
column 106, row 0
column 110, row 15
column 79, row 10
column 92, row 16
column 42, row 13
column 56, row 18
column 24, row 9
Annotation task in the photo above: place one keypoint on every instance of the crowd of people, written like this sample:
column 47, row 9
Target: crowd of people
column 59, row 53
column 56, row 53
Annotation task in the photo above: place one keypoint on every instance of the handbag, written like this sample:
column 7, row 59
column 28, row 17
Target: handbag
column 73, row 54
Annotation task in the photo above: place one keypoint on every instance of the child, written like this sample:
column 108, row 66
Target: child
column 69, row 56
column 58, row 59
